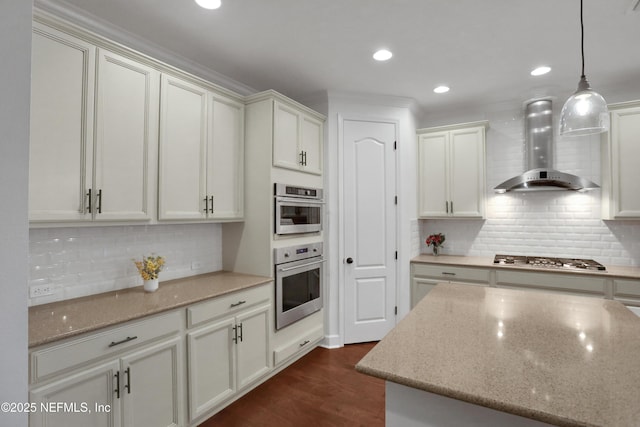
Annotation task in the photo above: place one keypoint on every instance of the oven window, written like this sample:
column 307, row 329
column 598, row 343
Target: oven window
column 300, row 288
column 295, row 215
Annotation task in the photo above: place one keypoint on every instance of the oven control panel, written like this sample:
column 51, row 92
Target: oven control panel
column 296, row 253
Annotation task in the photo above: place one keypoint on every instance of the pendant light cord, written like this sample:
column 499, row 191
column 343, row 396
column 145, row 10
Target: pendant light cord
column 582, row 38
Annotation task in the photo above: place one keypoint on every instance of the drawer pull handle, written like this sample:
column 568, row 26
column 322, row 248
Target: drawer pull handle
column 127, row 339
column 304, row 343
column 446, row 273
column 237, row 304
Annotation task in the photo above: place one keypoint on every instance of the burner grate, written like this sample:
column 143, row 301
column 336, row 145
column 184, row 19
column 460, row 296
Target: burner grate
column 549, row 262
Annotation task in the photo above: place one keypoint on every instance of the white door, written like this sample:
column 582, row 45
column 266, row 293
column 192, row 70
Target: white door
column 369, row 236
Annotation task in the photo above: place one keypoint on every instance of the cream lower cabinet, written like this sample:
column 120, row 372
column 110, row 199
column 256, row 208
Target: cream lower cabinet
column 451, row 171
column 201, row 153
column 93, row 132
column 425, row 277
column 140, row 385
column 620, row 154
column 229, row 353
column 574, row 284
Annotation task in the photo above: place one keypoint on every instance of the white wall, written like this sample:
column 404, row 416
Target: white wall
column 565, row 224
column 370, row 107
column 80, row 261
column 15, row 82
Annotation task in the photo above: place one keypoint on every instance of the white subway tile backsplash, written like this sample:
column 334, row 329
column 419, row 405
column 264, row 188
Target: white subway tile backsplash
column 541, row 223
column 88, row 260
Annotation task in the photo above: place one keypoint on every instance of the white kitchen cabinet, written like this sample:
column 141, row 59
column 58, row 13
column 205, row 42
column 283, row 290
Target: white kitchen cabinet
column 575, row 284
column 201, row 153
column 93, row 387
column 451, row 171
column 125, row 376
column 61, row 144
column 297, row 139
column 229, row 349
column 424, row 277
column 627, row 291
column 225, row 158
column 78, row 174
column 127, row 104
column 620, row 154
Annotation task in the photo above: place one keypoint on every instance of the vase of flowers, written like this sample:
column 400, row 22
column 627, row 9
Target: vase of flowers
column 149, row 268
column 436, row 241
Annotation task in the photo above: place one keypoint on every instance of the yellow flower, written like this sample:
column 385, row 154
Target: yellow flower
column 150, row 266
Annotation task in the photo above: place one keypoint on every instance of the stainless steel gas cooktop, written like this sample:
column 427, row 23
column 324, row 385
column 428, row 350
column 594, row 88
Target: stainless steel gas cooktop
column 548, row 262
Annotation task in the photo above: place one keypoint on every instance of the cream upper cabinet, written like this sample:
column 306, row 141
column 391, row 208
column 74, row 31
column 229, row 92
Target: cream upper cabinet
column 127, row 105
column 61, row 145
column 201, row 153
column 225, row 158
column 183, row 145
column 620, row 154
column 297, row 139
column 89, row 149
column 451, row 171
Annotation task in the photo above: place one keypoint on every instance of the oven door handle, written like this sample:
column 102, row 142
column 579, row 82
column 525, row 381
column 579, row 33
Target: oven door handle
column 299, row 202
column 301, row 266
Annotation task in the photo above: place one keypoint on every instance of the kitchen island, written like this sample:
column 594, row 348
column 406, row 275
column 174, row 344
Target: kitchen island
column 485, row 356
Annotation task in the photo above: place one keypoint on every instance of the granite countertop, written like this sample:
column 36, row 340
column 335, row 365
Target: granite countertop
column 487, row 262
column 58, row 320
column 561, row 359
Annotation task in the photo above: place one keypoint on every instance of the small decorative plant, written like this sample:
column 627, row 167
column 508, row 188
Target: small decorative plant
column 150, row 266
column 435, row 240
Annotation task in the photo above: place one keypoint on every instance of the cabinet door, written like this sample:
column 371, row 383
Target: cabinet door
column 94, row 388
column 420, row 287
column 432, row 175
column 625, row 152
column 311, row 145
column 286, row 134
column 253, row 345
column 225, row 158
column 183, row 133
column 212, row 366
column 151, row 386
column 62, row 97
column 126, row 123
column 466, row 175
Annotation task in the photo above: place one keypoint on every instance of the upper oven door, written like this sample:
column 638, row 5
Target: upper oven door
column 297, row 215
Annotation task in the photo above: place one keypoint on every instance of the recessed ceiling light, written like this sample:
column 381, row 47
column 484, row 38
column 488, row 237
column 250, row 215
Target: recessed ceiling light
column 540, row 71
column 209, row 4
column 382, row 55
column 441, row 89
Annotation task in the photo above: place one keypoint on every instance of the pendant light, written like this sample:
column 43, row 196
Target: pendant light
column 585, row 112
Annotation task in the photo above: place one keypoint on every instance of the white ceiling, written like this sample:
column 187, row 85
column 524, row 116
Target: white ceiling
column 484, row 50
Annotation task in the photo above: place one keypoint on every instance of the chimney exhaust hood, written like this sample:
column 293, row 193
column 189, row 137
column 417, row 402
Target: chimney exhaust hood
column 540, row 176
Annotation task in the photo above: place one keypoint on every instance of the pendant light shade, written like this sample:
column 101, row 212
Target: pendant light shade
column 585, row 112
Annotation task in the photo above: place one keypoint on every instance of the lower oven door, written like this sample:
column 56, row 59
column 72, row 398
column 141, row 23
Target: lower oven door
column 298, row 290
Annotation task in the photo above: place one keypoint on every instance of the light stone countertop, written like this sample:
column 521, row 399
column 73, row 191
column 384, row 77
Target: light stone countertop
column 560, row 359
column 618, row 271
column 63, row 319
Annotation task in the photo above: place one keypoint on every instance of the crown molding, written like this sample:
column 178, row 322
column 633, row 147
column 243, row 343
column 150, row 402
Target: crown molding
column 63, row 10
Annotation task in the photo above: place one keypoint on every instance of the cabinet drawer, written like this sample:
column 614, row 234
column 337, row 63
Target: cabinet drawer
column 626, row 289
column 93, row 346
column 450, row 273
column 301, row 342
column 571, row 283
column 226, row 304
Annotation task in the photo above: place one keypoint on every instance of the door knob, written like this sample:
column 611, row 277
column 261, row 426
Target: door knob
column 349, row 260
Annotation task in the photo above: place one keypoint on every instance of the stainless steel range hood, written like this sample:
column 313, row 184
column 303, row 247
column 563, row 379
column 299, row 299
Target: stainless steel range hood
column 540, row 176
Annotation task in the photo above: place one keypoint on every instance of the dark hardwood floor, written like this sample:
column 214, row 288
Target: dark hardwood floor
column 321, row 389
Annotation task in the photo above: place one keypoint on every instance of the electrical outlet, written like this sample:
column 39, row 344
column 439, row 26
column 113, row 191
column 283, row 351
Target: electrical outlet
column 195, row 265
column 40, row 290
